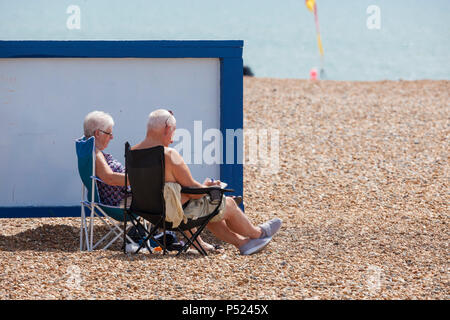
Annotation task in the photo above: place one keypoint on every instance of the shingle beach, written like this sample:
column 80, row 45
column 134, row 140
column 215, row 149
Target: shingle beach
column 361, row 183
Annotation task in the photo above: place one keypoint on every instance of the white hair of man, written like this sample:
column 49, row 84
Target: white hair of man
column 97, row 120
column 159, row 119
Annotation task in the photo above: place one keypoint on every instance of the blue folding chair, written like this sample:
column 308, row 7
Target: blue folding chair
column 111, row 216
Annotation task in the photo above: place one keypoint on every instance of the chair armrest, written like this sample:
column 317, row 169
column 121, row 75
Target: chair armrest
column 97, row 178
column 215, row 193
column 192, row 190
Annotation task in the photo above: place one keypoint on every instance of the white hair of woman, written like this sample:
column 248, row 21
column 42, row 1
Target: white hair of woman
column 159, row 119
column 97, row 120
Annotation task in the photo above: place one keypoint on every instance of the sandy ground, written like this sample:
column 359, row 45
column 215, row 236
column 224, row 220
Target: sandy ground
column 360, row 179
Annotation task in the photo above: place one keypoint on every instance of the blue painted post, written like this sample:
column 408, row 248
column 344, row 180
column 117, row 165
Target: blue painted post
column 232, row 118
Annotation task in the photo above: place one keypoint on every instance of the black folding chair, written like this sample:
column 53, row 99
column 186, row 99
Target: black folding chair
column 145, row 168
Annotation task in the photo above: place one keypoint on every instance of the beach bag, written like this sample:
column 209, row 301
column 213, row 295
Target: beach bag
column 171, row 238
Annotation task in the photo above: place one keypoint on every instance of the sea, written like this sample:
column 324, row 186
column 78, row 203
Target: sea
column 362, row 40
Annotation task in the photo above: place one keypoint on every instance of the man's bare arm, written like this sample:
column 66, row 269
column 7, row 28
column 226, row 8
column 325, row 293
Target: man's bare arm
column 182, row 174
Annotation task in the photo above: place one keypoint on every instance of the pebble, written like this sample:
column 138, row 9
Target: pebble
column 349, row 154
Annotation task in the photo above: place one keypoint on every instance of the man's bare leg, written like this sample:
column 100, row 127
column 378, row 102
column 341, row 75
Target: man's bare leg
column 220, row 230
column 235, row 228
column 238, row 222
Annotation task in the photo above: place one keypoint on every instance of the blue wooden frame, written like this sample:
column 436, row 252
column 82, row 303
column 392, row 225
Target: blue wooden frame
column 231, row 89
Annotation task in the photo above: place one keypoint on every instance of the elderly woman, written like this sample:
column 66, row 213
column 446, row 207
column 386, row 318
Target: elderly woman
column 112, row 190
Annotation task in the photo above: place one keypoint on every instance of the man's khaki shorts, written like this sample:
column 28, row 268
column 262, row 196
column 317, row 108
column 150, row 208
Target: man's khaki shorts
column 198, row 208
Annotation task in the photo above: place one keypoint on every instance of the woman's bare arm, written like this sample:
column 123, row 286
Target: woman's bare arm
column 104, row 172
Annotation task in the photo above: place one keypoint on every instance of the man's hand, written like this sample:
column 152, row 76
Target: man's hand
column 209, row 182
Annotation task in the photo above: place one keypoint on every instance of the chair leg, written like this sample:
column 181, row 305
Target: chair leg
column 84, row 232
column 200, row 246
column 112, row 241
column 191, row 241
column 164, row 237
column 125, row 230
column 84, row 242
column 194, row 237
column 104, row 238
column 195, row 243
column 197, row 233
column 91, row 227
column 145, row 236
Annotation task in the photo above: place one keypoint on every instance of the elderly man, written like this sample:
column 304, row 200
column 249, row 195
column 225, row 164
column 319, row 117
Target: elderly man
column 231, row 224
